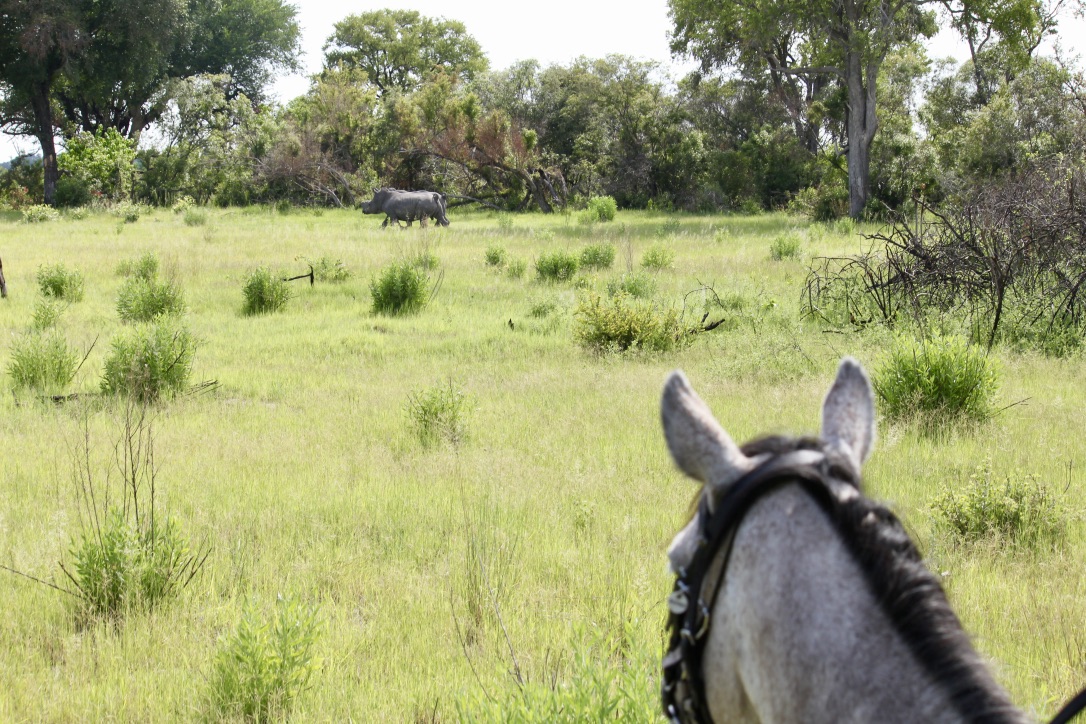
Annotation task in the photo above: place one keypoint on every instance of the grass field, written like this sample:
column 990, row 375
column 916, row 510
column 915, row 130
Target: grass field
column 534, row 547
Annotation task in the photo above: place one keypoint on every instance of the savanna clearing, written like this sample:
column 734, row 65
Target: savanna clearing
column 518, row 566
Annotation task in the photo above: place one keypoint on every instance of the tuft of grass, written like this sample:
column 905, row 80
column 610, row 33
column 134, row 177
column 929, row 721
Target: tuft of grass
column 438, row 414
column 43, row 362
column 495, row 256
column 557, row 266
column 195, row 217
column 263, row 667
column 400, row 288
column 150, row 361
column 264, row 293
column 622, row 323
column 939, row 379
column 59, row 282
column 40, row 213
column 543, row 309
column 638, row 285
column 145, row 267
column 327, row 269
column 516, row 269
column 658, row 257
column 505, row 221
column 598, row 256
column 46, row 315
column 785, row 246
column 1017, row 508
column 141, row 299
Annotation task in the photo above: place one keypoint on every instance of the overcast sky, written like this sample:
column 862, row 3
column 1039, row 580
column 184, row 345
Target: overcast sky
column 553, row 32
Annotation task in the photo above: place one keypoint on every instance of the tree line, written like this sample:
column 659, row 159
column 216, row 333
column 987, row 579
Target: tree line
column 832, row 108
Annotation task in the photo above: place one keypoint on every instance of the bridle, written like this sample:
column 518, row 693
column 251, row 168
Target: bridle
column 693, row 597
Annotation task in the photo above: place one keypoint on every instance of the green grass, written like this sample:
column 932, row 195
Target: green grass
column 305, row 478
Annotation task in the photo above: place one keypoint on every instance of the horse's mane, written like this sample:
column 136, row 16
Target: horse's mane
column 910, row 595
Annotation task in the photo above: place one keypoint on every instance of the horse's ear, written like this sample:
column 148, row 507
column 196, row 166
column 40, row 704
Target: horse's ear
column 848, row 414
column 697, row 442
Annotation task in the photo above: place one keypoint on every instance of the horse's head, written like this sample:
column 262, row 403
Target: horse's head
column 704, row 451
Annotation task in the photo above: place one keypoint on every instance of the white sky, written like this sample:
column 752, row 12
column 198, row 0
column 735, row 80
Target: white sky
column 554, row 32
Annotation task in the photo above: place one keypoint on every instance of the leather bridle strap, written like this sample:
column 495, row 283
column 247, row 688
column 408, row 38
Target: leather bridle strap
column 697, row 586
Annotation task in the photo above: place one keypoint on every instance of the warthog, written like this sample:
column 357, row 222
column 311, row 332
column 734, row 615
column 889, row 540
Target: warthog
column 406, row 206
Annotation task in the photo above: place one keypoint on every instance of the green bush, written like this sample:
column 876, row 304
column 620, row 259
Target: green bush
column 941, row 378
column 623, row 324
column 195, row 217
column 658, row 257
column 39, row 213
column 46, row 315
column 1019, row 509
column 123, row 565
column 44, row 363
column 505, row 222
column 145, row 267
column 439, row 414
column 603, row 208
column 786, row 246
column 264, row 293
column 127, row 211
column 264, row 666
column 150, row 361
column 327, row 269
column 598, row 256
column 59, row 282
column 494, row 256
column 71, row 193
column 516, row 268
column 543, row 308
column 183, row 204
column 557, row 266
column 638, row 285
column 141, row 299
column 401, row 288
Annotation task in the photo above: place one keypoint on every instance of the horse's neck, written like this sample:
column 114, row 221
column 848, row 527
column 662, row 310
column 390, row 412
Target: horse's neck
column 797, row 635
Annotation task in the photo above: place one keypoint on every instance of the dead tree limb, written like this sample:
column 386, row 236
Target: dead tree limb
column 310, row 276
column 3, row 283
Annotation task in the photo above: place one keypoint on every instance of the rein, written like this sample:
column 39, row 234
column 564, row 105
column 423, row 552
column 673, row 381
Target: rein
column 697, row 586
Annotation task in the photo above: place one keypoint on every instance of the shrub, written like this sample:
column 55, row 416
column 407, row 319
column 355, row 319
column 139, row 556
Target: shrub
column 786, row 246
column 150, row 361
column 670, row 227
column 598, row 256
column 439, row 413
column 128, row 212
column 401, row 288
column 603, row 208
column 60, row 283
column 71, row 193
column 141, row 299
column 195, row 217
column 658, row 257
column 557, row 266
column 639, row 285
column 327, row 269
column 424, row 259
column 505, row 222
column 42, row 362
column 494, row 256
column 145, row 267
column 622, row 324
column 124, row 565
column 77, row 214
column 183, row 204
column 130, row 554
column 46, row 314
column 39, row 213
column 262, row 668
column 264, row 293
column 1019, row 509
column 516, row 268
column 942, row 377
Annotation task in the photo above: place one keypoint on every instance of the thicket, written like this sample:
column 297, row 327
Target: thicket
column 623, row 323
column 149, row 361
column 401, row 288
column 264, row 293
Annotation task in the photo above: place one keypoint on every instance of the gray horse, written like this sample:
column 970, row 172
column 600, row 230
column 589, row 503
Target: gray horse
column 821, row 615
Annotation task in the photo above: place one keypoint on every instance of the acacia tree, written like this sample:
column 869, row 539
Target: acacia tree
column 397, row 48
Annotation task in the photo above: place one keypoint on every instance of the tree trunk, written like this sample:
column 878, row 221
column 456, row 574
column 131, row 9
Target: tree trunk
column 43, row 119
column 862, row 123
column 3, row 283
